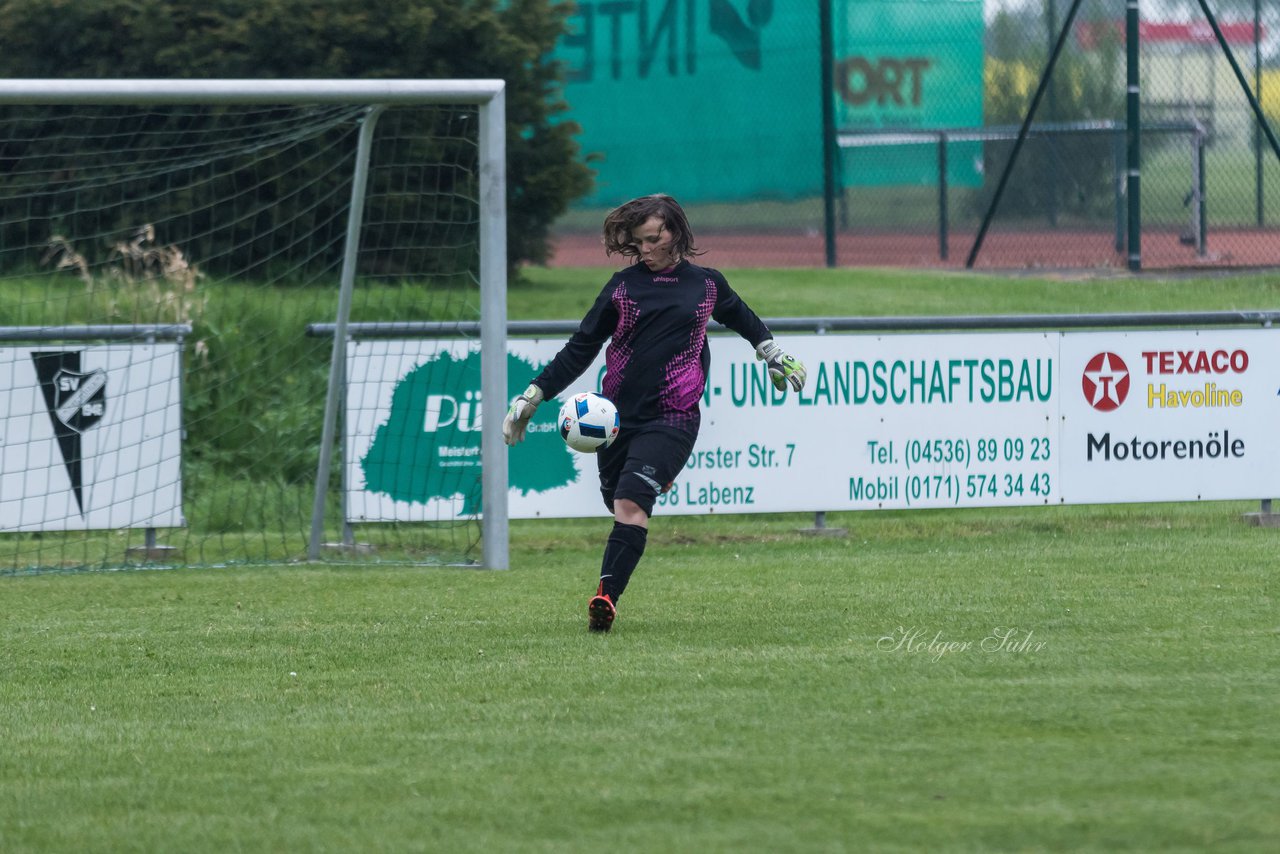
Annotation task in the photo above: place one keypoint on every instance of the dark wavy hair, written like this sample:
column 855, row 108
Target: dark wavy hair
column 620, row 222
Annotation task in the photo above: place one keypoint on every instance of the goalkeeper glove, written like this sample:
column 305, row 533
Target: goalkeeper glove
column 783, row 369
column 522, row 409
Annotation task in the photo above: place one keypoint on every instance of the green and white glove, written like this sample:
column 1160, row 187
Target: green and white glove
column 783, row 369
column 522, row 409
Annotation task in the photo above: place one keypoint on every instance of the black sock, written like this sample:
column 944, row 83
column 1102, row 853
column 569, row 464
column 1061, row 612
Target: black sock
column 621, row 554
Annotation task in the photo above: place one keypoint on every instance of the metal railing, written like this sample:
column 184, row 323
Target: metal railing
column 471, row 329
column 942, row 137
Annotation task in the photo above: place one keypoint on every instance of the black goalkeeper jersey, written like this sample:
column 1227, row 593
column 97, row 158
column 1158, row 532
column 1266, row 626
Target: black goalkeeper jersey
column 658, row 358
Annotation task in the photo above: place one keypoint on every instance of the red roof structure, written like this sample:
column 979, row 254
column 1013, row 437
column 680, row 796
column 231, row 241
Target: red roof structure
column 1172, row 32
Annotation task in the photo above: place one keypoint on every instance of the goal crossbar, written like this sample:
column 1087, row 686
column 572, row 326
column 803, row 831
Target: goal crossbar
column 224, row 91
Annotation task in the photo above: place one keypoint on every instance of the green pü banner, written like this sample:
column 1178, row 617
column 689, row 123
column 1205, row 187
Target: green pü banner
column 709, row 100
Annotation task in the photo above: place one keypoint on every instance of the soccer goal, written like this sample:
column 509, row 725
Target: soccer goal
column 164, row 246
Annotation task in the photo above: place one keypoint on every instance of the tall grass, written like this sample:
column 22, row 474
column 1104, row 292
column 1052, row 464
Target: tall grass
column 253, row 393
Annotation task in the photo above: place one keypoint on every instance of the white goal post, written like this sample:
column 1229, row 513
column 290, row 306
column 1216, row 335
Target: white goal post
column 488, row 96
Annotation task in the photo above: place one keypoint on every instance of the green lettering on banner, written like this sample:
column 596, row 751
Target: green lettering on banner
column 717, row 99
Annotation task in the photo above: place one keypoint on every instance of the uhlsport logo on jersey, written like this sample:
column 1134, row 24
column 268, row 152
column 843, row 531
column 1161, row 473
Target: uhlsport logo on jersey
column 1105, row 382
column 76, row 400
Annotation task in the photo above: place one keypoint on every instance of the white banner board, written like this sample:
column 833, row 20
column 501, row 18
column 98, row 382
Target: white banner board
column 1170, row 416
column 90, row 438
column 885, row 421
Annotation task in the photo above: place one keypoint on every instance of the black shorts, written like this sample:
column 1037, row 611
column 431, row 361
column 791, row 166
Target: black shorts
column 643, row 462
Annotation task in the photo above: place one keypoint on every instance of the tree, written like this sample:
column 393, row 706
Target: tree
column 267, row 39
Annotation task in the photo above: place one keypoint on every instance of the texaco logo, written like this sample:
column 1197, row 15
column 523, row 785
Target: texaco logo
column 1106, row 382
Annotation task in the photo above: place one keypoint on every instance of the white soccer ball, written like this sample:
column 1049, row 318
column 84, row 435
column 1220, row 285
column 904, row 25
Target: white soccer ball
column 588, row 422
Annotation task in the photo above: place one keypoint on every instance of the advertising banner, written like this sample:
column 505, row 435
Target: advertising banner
column 714, row 100
column 910, row 64
column 412, row 430
column 1170, row 416
column 90, row 438
column 885, row 421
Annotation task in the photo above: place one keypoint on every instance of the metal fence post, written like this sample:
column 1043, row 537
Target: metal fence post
column 943, row 226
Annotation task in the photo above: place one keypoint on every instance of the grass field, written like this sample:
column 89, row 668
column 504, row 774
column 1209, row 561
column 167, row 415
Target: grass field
column 559, row 293
column 1037, row 679
column 1031, row 679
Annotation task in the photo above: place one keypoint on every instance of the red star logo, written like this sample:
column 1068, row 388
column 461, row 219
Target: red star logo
column 1106, row 382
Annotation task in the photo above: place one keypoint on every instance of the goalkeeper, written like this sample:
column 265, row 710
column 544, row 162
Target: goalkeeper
column 654, row 316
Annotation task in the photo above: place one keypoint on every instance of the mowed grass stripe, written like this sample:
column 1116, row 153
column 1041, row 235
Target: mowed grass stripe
column 754, row 695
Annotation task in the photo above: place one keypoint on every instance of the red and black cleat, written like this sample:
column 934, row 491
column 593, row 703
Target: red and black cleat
column 600, row 613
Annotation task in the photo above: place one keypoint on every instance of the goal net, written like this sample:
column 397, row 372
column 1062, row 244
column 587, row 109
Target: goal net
column 165, row 247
